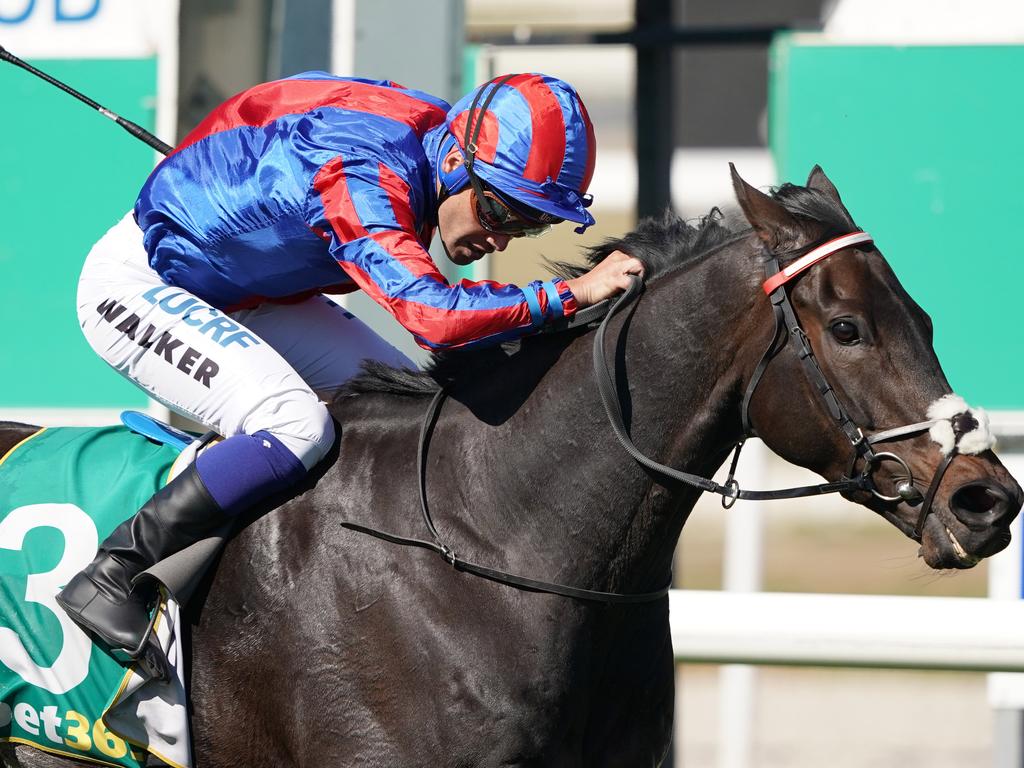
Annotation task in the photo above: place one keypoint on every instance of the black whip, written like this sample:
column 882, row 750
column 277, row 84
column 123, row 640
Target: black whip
column 134, row 129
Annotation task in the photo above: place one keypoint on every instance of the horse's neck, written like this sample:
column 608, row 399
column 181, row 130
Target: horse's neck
column 562, row 488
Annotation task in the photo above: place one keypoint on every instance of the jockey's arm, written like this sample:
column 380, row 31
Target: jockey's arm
column 363, row 208
column 396, row 271
column 371, row 228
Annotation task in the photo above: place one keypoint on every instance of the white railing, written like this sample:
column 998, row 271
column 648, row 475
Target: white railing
column 742, row 626
column 951, row 633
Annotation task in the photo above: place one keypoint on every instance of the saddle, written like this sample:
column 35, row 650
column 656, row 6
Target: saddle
column 70, row 697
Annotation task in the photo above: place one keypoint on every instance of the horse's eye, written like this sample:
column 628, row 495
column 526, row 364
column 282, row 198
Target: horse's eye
column 845, row 332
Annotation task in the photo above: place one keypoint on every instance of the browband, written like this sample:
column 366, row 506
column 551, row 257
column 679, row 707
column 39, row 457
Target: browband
column 812, row 258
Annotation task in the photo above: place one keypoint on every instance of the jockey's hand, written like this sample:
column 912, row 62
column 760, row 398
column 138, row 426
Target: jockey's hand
column 608, row 278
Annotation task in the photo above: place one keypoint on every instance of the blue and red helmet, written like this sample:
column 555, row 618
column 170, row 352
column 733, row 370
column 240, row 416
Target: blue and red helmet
column 530, row 139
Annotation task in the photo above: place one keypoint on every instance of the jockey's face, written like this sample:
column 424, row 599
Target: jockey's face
column 464, row 237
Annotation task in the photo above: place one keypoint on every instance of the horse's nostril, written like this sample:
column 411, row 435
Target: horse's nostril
column 977, row 499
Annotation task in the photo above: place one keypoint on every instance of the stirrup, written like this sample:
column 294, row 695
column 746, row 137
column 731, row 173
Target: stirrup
column 145, row 652
column 153, row 661
column 128, row 654
column 148, row 654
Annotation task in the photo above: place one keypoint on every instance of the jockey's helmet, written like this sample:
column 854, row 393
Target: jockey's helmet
column 528, row 138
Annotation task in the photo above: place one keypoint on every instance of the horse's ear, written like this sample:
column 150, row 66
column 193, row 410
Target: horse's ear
column 773, row 223
column 819, row 181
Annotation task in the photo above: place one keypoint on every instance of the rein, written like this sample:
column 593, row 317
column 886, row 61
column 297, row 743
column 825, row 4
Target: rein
column 787, row 331
column 449, row 555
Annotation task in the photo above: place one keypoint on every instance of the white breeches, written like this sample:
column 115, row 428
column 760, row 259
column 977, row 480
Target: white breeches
column 264, row 368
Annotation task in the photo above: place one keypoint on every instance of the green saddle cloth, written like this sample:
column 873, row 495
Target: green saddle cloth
column 62, row 491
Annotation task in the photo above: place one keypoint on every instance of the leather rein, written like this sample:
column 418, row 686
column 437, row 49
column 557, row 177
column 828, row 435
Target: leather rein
column 787, row 331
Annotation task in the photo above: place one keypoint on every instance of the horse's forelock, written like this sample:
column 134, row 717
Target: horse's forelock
column 816, row 207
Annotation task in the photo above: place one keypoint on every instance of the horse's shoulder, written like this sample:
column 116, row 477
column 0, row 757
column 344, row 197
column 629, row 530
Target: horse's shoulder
column 12, row 433
column 379, row 413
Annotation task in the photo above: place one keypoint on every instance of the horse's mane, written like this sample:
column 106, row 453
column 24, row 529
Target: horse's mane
column 662, row 244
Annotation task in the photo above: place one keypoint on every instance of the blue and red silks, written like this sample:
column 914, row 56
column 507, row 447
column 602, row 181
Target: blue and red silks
column 323, row 184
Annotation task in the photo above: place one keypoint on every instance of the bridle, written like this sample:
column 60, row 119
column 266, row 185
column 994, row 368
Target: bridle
column 787, row 326
column 787, row 331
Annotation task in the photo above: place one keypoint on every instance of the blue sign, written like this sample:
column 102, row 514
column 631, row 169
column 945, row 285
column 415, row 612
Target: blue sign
column 60, row 12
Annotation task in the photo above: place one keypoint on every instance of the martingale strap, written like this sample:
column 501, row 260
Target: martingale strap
column 503, row 577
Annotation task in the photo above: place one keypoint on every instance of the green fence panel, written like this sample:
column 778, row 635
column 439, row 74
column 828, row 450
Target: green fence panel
column 924, row 143
column 68, row 175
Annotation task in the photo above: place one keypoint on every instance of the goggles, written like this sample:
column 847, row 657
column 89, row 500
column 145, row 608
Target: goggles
column 498, row 216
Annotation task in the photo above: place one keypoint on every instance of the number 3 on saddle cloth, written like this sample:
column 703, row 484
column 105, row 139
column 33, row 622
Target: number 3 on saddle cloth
column 62, row 491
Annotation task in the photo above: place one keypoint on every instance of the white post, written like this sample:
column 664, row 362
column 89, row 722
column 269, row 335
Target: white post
column 1006, row 690
column 741, row 572
column 343, row 37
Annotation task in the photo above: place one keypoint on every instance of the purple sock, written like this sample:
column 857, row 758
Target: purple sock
column 244, row 469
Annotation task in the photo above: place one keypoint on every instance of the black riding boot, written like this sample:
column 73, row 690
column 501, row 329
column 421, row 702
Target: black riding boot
column 101, row 598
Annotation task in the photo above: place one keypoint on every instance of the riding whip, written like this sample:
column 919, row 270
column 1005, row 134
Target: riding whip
column 134, row 129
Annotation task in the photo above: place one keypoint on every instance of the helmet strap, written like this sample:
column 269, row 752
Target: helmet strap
column 469, row 148
column 473, row 129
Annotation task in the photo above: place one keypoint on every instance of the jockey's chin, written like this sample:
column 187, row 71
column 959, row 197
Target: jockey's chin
column 464, row 254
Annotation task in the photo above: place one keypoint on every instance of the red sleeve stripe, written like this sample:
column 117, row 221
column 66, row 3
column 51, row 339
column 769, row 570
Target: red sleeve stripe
column 263, row 104
column 337, row 202
column 398, row 193
column 545, row 303
column 569, row 303
column 408, row 250
column 435, row 327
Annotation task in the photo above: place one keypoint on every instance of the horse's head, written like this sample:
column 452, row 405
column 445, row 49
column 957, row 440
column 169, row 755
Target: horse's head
column 873, row 344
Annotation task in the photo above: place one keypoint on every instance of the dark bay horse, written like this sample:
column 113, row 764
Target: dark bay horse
column 320, row 646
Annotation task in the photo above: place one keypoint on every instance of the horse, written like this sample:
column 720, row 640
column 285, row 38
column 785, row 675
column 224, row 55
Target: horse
column 320, row 645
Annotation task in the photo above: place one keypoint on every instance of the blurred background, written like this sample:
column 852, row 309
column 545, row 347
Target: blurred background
column 912, row 107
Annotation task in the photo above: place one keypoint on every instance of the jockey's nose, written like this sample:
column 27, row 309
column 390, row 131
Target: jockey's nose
column 500, row 242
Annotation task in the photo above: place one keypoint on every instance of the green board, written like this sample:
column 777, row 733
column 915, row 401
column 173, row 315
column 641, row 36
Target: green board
column 925, row 146
column 68, row 175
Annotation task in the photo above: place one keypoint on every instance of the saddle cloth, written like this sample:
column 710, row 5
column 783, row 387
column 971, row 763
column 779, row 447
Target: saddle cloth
column 62, row 491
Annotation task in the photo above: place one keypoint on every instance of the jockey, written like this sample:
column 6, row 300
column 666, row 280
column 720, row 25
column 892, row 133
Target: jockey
column 210, row 294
